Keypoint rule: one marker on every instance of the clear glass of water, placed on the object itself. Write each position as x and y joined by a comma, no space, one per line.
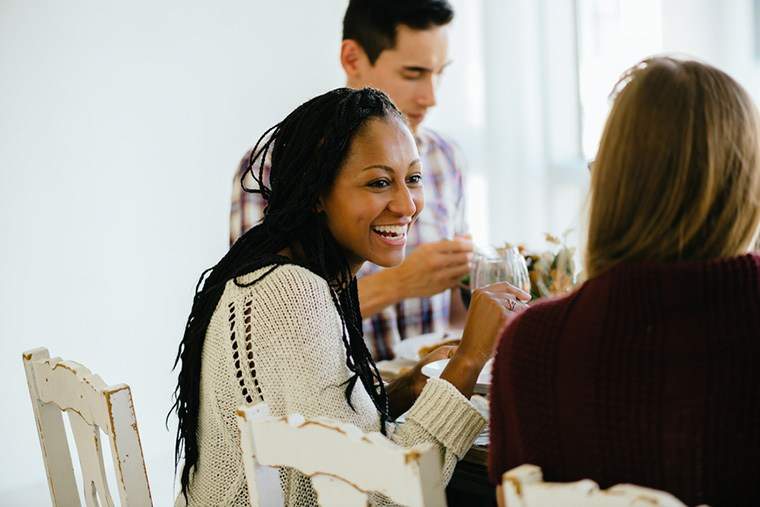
507,266
517,269
489,270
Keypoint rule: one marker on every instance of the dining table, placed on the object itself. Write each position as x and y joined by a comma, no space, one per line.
469,484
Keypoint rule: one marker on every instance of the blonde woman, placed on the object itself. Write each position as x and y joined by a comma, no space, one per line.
647,373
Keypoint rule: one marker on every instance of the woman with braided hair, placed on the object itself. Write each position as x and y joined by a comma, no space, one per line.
277,319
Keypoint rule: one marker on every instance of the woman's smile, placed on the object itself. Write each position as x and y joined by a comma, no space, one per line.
392,235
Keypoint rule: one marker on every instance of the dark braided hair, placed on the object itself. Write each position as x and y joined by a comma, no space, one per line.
307,149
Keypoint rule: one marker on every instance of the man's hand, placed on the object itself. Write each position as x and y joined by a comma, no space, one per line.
433,267
430,269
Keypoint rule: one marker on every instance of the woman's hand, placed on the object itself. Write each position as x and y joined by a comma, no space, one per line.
491,308
418,378
404,391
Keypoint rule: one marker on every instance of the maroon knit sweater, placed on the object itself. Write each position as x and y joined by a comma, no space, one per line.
648,374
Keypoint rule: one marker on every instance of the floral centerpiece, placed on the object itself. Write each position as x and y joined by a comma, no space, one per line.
552,272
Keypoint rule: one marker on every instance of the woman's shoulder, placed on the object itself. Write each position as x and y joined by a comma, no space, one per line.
282,298
548,309
280,284
281,277
538,321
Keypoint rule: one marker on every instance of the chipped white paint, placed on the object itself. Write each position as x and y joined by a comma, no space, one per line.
87,439
52,433
524,487
334,491
343,462
92,406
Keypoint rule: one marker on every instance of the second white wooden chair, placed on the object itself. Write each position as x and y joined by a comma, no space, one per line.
344,464
524,486
55,386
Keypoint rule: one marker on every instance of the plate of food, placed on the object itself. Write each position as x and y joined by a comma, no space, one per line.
482,384
417,347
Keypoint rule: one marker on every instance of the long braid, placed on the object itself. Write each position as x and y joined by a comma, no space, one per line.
369,374
308,148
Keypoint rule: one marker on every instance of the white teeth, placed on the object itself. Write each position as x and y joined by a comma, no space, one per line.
391,230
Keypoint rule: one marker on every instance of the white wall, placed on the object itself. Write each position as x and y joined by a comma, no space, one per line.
120,126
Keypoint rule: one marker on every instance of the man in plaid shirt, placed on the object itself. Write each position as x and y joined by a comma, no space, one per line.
400,47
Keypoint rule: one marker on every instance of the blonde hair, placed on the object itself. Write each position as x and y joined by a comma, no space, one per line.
677,174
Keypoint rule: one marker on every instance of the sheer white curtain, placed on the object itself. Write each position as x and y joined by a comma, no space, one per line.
511,101
528,94
615,34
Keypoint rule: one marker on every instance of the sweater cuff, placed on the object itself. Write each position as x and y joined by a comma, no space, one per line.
447,415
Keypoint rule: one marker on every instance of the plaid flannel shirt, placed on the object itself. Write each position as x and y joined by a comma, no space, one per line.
442,218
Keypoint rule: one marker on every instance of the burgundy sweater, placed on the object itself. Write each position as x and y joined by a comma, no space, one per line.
648,374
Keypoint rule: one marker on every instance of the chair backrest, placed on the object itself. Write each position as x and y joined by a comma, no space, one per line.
524,487
344,464
55,386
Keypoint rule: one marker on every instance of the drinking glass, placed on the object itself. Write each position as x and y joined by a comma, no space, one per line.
507,266
488,270
517,269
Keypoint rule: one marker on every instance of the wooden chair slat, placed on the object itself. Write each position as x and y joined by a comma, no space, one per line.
87,439
126,447
52,435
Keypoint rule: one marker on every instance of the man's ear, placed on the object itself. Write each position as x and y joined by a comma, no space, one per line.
353,59
319,207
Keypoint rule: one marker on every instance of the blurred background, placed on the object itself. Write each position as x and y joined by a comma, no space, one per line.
121,125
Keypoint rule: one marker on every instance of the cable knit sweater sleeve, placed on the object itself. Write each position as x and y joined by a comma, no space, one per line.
300,366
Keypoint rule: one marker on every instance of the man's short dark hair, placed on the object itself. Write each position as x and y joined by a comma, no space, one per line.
373,23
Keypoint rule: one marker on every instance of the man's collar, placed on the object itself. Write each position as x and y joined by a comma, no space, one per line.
422,138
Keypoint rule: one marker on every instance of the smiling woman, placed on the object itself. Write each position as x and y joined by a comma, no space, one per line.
277,319
377,195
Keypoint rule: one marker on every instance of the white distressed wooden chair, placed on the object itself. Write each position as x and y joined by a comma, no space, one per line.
524,487
344,464
55,386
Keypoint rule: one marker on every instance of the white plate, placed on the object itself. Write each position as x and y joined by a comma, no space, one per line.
482,385
409,348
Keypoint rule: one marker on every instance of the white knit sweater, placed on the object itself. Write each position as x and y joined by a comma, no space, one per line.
280,340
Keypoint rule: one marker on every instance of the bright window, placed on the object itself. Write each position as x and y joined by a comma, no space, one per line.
756,8
612,36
